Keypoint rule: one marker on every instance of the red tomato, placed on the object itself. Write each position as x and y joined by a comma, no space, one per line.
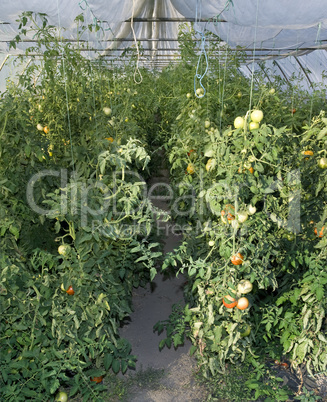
70,291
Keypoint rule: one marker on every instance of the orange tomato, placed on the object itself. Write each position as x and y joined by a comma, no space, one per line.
230,303
97,380
242,303
237,259
46,129
191,151
110,139
228,210
70,291
190,169
321,233
251,170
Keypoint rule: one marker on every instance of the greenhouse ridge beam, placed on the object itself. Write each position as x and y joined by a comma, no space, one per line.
167,19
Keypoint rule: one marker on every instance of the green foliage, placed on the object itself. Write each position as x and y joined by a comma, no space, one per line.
70,174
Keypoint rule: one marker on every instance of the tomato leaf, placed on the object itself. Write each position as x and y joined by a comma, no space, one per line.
116,366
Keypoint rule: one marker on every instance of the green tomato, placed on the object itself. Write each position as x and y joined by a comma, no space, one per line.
244,286
242,216
107,111
200,92
322,163
252,209
256,116
253,125
246,331
239,122
61,397
64,249
272,91
207,124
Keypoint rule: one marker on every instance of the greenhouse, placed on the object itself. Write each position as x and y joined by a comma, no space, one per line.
163,200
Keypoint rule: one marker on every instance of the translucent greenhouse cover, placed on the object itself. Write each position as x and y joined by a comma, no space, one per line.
291,35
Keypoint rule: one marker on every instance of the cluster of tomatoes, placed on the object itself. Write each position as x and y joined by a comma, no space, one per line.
240,302
256,117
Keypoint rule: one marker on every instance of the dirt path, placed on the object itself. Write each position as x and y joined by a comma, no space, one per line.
170,371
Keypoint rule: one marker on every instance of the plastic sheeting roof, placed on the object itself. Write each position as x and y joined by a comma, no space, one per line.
265,28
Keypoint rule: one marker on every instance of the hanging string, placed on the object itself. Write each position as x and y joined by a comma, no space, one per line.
224,80
67,97
198,76
253,58
137,70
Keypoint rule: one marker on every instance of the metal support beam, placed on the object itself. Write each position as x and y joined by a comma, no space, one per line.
4,62
305,73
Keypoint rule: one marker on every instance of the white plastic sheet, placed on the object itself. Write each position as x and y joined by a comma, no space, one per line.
270,28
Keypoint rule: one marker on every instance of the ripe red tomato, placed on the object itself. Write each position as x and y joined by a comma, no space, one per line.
242,303
229,301
70,291
237,259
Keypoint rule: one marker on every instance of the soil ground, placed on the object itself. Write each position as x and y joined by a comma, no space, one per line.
170,372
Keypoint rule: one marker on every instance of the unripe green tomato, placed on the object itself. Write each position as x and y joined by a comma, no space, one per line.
252,209
246,331
61,397
239,122
107,111
242,216
253,125
64,249
322,163
200,92
244,286
256,116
